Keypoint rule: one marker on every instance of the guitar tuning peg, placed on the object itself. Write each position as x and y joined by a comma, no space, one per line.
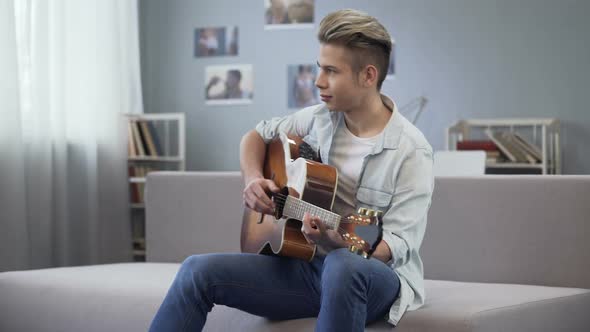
362,211
378,214
371,213
359,251
355,250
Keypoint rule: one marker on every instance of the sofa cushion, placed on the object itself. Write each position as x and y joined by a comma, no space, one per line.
463,306
125,297
110,297
455,306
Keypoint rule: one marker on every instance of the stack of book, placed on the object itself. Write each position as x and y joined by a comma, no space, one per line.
137,187
504,147
139,171
515,148
492,152
143,139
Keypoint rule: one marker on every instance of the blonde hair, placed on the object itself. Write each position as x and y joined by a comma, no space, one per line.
359,32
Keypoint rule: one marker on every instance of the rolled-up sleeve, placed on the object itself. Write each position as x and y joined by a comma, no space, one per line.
404,223
298,123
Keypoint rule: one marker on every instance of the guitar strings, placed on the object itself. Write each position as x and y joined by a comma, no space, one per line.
283,198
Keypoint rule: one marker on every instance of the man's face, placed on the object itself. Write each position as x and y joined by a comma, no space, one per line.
337,83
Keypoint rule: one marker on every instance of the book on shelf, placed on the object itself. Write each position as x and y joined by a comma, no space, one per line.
136,191
137,139
140,171
143,139
148,138
528,158
131,149
514,148
530,148
488,146
137,188
141,190
520,155
134,188
493,156
476,145
501,144
155,138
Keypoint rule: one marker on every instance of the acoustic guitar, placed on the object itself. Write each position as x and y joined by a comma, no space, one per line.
307,186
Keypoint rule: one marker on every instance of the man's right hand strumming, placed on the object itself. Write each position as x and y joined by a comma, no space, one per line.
256,195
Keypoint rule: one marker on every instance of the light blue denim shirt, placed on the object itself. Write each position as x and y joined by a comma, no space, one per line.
396,178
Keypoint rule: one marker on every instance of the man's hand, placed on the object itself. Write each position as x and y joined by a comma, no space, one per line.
382,252
316,232
256,195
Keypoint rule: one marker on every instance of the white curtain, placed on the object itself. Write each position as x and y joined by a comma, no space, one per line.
70,70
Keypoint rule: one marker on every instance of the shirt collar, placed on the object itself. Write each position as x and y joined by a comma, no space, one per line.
393,129
391,133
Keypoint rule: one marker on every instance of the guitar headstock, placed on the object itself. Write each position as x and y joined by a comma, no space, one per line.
363,230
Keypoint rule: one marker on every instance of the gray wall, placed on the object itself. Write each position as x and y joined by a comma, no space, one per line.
471,59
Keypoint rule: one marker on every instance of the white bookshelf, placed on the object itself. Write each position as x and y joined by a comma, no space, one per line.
163,148
542,132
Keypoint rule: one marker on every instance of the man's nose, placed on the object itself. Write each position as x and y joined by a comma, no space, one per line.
320,81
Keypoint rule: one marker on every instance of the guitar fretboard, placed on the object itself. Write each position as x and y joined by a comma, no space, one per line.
296,208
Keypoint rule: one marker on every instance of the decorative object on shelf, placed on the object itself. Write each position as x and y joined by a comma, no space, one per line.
155,141
512,145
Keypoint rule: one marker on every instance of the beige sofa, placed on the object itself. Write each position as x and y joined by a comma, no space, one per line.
501,253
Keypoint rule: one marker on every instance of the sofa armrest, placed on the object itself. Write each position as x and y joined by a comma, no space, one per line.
192,212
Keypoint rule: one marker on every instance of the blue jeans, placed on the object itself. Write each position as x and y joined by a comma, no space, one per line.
344,290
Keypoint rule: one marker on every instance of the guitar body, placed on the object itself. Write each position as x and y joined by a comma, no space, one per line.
308,180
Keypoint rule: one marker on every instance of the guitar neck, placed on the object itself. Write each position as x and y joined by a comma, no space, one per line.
296,208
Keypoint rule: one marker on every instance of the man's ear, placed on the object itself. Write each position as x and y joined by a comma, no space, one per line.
369,76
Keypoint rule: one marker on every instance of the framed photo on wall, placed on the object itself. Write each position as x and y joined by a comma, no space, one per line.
301,89
216,41
229,84
288,14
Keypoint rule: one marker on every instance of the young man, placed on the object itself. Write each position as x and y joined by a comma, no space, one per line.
384,163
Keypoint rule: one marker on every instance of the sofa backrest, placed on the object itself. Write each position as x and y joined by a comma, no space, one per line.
505,229
529,229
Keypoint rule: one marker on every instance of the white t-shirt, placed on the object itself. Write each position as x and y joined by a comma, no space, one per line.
347,154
